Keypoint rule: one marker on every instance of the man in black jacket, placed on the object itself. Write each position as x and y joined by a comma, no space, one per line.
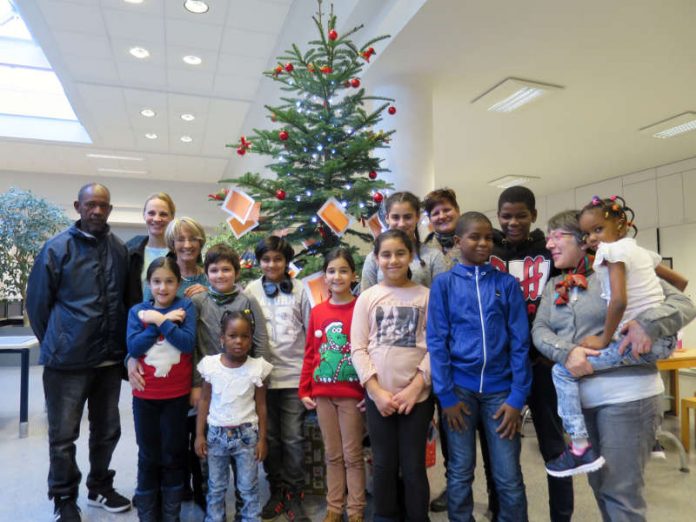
76,306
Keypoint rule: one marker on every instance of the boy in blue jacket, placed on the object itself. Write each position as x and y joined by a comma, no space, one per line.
478,339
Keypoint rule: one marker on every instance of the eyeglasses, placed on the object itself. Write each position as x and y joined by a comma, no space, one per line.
558,235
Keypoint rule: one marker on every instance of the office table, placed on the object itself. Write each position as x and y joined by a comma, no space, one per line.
20,344
679,360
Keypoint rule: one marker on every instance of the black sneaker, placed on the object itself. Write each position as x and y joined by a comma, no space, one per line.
274,507
439,504
111,501
568,463
294,509
66,510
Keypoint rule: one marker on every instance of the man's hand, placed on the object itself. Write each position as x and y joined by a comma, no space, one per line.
510,423
456,416
577,363
637,338
135,374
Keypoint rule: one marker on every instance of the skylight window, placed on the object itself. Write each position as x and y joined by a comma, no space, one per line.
33,103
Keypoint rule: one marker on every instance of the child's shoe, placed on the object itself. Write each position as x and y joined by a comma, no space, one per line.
66,510
112,501
568,463
332,516
658,451
294,508
274,507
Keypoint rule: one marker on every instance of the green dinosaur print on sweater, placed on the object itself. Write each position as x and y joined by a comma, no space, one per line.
335,363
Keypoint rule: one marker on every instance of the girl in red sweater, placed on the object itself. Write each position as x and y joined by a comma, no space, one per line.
330,385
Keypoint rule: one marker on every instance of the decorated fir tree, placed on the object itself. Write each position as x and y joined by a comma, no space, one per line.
321,146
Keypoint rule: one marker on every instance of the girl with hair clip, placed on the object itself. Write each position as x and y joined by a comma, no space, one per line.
403,213
628,275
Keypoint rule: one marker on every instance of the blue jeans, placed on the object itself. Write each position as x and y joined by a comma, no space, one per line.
624,434
285,462
568,387
66,392
236,446
505,461
160,431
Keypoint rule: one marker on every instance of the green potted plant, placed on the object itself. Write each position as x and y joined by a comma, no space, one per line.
26,222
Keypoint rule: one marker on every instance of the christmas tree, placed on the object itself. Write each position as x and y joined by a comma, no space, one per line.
322,146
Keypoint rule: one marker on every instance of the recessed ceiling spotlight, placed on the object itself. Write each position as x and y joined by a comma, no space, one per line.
148,113
186,139
192,60
513,93
684,122
139,52
188,117
133,1
196,6
511,181
151,136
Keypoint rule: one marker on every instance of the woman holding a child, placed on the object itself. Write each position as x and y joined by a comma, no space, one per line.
621,406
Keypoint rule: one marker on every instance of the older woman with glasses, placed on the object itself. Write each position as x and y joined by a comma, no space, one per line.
622,406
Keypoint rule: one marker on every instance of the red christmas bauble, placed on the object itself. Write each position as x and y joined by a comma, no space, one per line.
278,70
372,174
289,67
280,194
355,83
378,197
241,151
283,135
391,110
333,35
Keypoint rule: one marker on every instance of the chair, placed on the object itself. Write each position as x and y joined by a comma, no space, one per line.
687,403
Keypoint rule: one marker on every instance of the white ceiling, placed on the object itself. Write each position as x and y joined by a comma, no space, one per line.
624,64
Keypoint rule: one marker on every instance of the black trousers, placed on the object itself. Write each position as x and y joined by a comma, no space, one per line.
542,402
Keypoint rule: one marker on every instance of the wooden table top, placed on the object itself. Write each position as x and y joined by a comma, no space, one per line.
679,359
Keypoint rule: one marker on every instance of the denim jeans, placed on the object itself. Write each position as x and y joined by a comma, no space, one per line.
237,446
505,461
398,444
624,434
285,462
66,392
549,431
568,387
160,431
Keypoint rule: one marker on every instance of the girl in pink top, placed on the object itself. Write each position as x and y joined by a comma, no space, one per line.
391,359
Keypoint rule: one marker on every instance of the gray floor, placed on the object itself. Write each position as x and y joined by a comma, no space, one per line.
671,495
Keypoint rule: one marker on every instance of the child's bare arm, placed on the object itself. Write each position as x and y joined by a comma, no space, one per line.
262,445
673,277
615,310
200,444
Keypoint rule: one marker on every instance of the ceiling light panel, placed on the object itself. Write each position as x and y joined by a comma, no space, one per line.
113,157
122,171
188,117
513,93
151,136
186,139
511,181
139,52
148,113
680,124
196,6
191,59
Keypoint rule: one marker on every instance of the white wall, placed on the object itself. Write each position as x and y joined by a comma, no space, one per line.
127,197
664,200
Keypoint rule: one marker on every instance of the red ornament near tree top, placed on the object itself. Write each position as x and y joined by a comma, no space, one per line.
372,174
355,83
283,135
280,194
378,197
289,67
391,110
333,35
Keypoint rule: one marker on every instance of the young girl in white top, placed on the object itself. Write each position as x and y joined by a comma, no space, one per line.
629,277
390,356
233,402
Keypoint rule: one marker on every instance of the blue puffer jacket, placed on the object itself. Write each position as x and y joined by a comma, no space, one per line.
76,300
478,334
